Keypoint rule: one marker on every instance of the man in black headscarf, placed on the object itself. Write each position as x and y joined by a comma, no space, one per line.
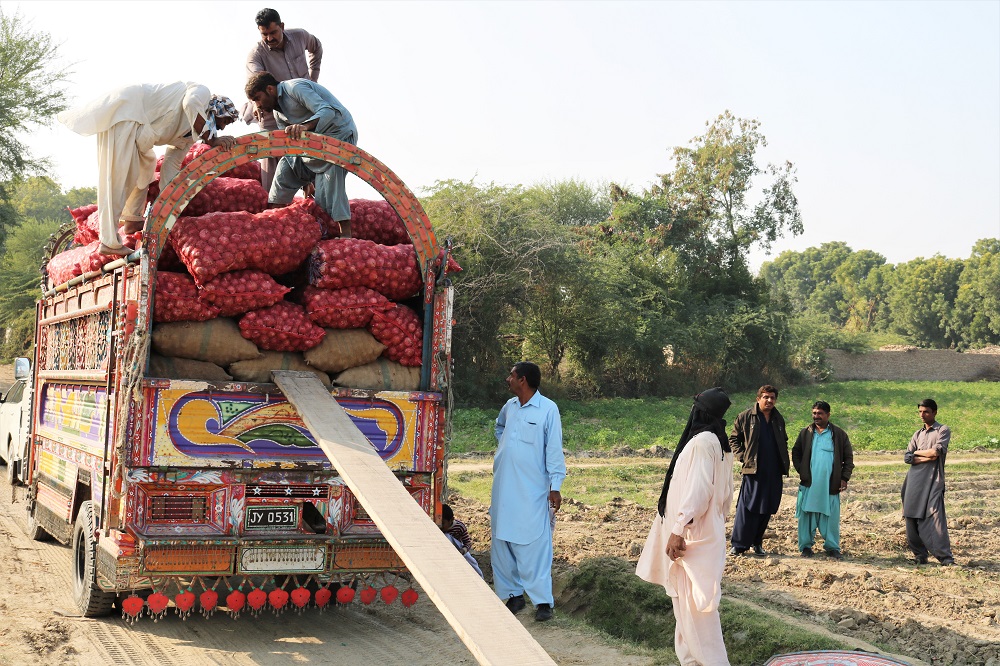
686,548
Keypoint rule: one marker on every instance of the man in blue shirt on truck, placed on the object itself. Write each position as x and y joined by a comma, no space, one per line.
301,105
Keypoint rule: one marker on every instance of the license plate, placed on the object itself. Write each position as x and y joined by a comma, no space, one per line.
271,517
270,559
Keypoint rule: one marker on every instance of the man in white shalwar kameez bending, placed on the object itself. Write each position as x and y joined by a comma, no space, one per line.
528,471
686,548
128,122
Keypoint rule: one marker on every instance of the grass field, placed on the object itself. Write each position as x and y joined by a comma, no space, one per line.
878,416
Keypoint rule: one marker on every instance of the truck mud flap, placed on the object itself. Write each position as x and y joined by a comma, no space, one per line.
482,622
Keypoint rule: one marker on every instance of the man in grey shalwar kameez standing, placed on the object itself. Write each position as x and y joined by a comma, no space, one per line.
923,489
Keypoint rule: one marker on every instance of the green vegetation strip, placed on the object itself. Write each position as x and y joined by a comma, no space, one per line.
879,416
607,595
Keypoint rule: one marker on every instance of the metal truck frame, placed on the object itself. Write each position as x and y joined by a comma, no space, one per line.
212,495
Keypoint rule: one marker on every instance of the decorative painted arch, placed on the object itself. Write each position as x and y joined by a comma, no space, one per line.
212,164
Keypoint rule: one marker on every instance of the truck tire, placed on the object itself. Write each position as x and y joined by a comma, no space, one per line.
34,530
12,473
90,599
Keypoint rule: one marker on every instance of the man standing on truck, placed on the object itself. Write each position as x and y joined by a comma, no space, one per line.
528,471
760,444
283,53
128,122
301,105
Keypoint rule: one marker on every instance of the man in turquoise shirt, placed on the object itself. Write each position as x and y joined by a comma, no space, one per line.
301,105
824,459
528,471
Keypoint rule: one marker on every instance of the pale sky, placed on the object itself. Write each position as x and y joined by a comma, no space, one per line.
889,110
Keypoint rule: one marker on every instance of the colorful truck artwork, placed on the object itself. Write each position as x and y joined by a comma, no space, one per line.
211,494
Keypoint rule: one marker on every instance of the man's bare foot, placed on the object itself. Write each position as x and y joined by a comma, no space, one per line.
132,226
119,251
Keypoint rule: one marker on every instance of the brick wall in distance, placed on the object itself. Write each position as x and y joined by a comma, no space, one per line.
913,365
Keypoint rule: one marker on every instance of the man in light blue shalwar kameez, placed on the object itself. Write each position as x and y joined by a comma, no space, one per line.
303,105
528,471
824,459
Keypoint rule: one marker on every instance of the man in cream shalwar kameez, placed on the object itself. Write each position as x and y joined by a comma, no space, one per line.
128,122
686,548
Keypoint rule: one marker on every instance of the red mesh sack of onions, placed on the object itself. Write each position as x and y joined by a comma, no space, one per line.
377,221
87,224
390,270
282,327
153,190
169,261
84,259
241,291
275,241
343,308
400,331
177,299
250,170
226,195
65,266
93,260
82,213
329,226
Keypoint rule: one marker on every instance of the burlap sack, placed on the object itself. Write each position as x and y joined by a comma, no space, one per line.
216,341
344,348
185,368
382,375
259,369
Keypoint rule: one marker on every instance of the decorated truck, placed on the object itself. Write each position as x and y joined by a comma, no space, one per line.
182,488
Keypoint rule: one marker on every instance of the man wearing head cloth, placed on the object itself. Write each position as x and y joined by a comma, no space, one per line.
128,123
686,548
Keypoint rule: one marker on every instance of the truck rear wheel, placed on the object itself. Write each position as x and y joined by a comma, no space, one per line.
34,530
90,599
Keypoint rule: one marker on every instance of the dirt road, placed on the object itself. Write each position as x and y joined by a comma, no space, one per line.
37,625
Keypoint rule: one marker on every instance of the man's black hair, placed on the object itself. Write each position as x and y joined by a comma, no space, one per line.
822,405
258,82
767,388
929,404
530,372
446,513
266,17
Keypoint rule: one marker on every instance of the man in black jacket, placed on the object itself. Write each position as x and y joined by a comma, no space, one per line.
760,443
823,457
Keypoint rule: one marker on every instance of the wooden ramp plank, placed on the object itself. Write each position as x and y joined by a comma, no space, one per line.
482,622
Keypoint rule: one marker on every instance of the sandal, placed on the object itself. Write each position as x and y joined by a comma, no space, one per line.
121,251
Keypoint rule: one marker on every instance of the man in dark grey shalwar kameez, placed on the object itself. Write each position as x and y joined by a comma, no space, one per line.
923,489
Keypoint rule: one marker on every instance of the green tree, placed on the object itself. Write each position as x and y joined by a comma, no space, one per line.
864,281
41,198
499,242
31,94
922,300
977,304
20,284
716,176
